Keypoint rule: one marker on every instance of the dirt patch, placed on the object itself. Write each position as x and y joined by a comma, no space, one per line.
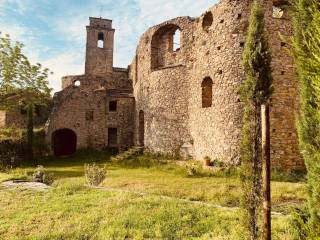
25,185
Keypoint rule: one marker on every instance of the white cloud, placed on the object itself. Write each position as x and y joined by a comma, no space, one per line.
62,65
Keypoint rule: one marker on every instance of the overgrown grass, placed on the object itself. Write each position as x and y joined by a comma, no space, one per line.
72,211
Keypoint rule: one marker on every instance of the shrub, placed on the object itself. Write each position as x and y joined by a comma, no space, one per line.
41,175
217,163
193,169
11,153
94,174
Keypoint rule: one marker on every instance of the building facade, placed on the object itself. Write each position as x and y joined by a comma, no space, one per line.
181,92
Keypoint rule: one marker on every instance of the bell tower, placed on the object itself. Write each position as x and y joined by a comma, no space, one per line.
99,50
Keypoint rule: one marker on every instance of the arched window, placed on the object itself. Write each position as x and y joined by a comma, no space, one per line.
207,21
176,40
165,43
207,92
100,43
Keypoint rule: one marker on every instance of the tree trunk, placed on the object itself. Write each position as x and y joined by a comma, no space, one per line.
266,172
256,173
30,132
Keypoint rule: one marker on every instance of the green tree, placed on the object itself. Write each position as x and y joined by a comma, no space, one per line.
255,91
21,83
306,48
10,62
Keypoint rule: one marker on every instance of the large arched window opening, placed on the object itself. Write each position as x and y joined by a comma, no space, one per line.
207,92
141,128
64,142
100,43
165,45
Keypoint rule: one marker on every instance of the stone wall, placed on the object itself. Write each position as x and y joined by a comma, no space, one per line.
168,85
218,45
161,87
285,99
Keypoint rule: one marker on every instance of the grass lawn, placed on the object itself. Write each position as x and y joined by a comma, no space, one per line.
70,210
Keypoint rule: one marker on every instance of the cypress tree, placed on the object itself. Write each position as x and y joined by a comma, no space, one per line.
255,91
306,48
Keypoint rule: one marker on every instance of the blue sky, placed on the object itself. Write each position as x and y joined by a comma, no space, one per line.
53,31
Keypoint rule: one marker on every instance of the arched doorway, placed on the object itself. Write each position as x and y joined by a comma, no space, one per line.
64,142
141,128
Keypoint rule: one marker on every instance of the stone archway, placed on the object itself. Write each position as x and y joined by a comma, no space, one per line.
141,128
64,142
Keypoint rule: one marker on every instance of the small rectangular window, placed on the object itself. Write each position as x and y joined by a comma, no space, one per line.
113,106
89,116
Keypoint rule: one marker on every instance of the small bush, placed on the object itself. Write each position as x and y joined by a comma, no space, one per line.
41,175
217,163
94,174
194,169
11,153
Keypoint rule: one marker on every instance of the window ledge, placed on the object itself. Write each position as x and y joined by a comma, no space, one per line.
167,67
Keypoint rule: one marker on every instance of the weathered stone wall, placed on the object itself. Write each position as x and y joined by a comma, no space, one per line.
16,118
161,87
70,80
218,49
284,109
168,85
122,119
71,107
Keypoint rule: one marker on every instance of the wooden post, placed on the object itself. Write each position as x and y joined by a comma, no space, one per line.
265,121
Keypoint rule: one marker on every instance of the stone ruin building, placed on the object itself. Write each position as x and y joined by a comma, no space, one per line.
17,117
181,91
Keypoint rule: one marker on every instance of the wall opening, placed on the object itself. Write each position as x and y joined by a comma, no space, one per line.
100,43
176,40
64,142
89,116
141,128
207,21
77,83
207,92
112,137
165,44
23,110
113,105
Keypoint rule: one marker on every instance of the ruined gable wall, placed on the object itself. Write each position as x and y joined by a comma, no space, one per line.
73,103
70,108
